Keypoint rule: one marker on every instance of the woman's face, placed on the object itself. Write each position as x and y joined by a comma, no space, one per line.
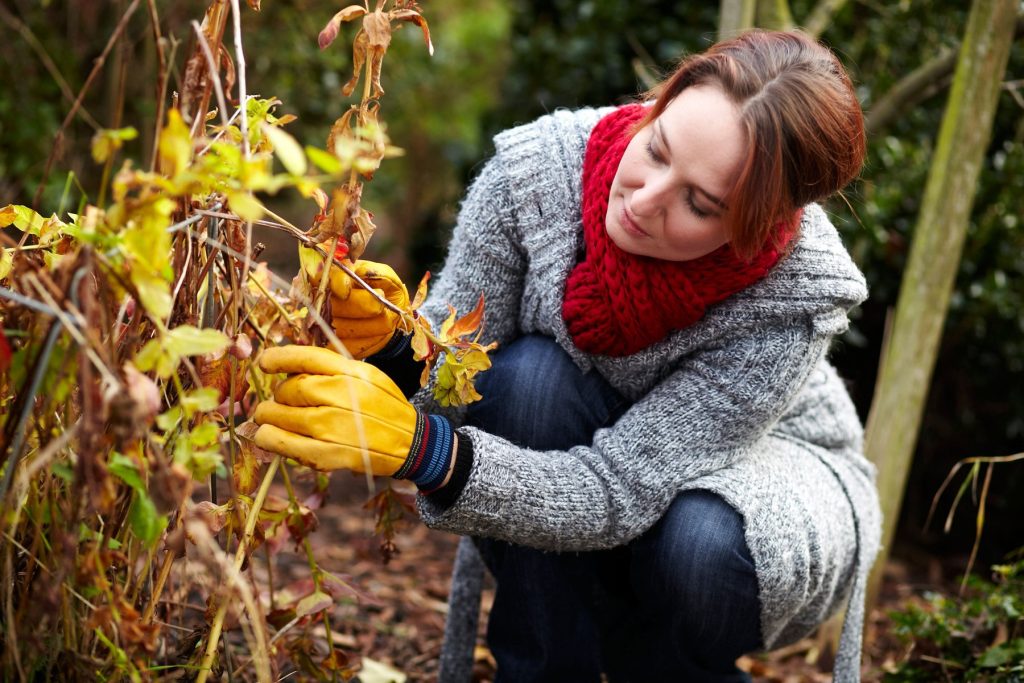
666,197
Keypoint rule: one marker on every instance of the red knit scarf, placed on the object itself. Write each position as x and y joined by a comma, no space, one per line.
617,303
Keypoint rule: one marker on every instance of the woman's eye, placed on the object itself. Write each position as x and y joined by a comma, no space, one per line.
696,210
651,153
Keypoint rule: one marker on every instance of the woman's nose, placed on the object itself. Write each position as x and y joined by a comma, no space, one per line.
648,199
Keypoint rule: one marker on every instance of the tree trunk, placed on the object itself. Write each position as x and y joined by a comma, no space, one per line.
905,369
735,16
774,15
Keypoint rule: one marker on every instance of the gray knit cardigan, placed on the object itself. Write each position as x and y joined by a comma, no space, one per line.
742,404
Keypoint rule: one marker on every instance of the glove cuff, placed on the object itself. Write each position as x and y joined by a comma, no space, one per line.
430,454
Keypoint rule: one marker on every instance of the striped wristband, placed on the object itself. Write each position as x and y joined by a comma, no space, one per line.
430,454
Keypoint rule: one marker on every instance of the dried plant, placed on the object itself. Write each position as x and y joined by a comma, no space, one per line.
127,345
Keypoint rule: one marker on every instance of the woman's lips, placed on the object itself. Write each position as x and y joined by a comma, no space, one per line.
629,225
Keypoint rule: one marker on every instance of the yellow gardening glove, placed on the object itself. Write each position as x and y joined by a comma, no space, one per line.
363,324
336,413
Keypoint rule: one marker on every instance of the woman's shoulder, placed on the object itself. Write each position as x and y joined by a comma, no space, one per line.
822,260
817,281
556,138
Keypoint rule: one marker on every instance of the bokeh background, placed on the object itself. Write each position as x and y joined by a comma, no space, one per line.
501,63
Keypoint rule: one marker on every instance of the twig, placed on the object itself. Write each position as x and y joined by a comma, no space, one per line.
250,525
97,67
44,57
978,526
243,95
74,331
218,89
161,87
27,302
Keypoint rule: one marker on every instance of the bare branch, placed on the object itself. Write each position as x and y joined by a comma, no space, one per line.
917,86
821,16
21,28
97,67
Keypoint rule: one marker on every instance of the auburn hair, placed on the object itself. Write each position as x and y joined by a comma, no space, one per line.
803,124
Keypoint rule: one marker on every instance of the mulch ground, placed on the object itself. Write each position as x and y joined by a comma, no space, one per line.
400,623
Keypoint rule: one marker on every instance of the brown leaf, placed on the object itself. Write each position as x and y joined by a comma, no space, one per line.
144,392
214,516
416,18
330,31
247,431
359,50
168,486
215,373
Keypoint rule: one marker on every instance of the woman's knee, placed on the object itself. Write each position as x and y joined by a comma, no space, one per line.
536,396
695,565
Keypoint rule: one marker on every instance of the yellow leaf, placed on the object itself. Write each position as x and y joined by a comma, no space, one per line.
107,141
476,360
447,325
245,205
444,385
6,262
175,145
286,149
421,292
7,215
154,291
420,342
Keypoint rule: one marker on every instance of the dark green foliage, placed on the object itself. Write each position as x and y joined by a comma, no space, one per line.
975,637
568,53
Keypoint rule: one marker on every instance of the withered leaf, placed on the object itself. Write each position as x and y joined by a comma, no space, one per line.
330,31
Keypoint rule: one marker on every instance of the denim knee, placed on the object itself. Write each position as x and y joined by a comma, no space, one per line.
694,566
535,396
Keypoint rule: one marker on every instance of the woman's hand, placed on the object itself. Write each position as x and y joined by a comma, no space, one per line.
364,324
336,413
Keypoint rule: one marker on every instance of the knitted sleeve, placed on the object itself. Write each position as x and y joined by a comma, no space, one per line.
703,417
484,257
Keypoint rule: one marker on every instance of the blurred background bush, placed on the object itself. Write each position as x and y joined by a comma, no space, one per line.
497,64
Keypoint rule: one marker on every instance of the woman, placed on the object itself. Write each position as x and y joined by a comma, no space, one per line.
660,412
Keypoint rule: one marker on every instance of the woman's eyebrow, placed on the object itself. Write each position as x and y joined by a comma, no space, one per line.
664,142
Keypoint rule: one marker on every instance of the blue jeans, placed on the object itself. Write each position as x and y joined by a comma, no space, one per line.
679,603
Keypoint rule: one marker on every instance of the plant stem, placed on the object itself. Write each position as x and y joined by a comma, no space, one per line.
250,524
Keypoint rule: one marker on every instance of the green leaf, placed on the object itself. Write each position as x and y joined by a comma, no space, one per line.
1001,654
107,141
63,470
325,161
186,340
123,467
201,400
287,150
315,602
147,524
155,356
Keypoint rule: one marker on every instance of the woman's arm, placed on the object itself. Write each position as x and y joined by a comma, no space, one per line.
702,418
